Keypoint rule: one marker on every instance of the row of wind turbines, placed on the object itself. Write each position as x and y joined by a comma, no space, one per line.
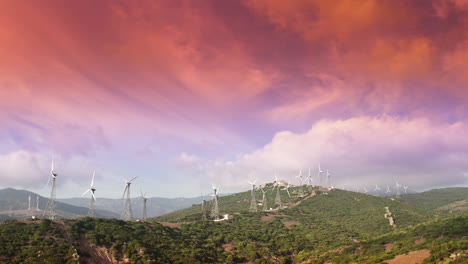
308,182
277,184
127,214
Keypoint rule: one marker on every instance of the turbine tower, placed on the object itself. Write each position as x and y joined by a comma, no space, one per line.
50,208
37,202
29,202
127,214
405,187
144,199
203,211
93,198
264,200
309,179
287,190
320,174
328,179
215,209
301,191
278,196
253,201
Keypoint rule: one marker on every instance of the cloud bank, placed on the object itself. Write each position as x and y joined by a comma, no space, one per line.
360,151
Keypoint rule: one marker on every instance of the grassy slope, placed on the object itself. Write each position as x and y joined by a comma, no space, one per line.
251,239
437,198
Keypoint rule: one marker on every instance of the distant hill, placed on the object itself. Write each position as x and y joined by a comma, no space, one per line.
14,205
155,206
346,210
442,200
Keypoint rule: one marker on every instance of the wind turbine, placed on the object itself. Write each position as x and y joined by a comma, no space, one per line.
278,196
127,214
287,190
365,190
309,179
50,208
397,187
388,190
376,189
264,200
301,191
405,187
203,207
144,199
320,174
253,202
328,179
93,198
215,209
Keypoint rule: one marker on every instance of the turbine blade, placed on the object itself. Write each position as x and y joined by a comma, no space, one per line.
133,179
92,180
85,192
125,190
52,166
48,182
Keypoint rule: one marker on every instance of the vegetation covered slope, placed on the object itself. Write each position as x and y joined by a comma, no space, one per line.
323,226
248,237
443,200
355,211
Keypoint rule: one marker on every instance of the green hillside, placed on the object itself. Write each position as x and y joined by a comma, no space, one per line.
247,238
356,212
443,200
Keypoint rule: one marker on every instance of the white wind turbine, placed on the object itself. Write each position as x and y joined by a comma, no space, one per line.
287,190
278,196
397,187
93,197
50,207
127,214
144,199
365,189
309,179
253,202
301,191
405,187
328,179
215,209
320,174
264,200
376,189
388,190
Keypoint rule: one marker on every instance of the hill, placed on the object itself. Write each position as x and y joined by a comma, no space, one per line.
248,238
441,200
14,205
356,212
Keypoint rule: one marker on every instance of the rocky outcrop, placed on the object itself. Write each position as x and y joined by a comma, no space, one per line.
389,216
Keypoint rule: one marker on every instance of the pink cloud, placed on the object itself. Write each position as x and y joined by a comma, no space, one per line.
358,151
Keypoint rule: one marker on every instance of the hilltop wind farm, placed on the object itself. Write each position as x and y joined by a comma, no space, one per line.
255,131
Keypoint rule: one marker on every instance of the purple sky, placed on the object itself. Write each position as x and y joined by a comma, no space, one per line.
184,94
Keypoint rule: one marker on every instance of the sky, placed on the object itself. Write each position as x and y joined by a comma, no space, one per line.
185,94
